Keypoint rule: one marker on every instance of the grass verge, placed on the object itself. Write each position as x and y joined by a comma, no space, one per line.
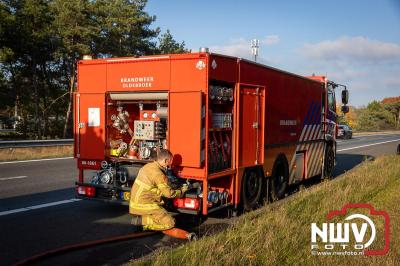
19,154
279,234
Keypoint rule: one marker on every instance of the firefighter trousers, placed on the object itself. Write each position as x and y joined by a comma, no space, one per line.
159,220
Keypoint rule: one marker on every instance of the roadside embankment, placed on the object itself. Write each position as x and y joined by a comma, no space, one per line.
279,233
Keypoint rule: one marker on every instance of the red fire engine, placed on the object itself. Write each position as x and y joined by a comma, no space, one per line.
245,131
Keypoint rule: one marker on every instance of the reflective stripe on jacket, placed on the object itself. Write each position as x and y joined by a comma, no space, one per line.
150,184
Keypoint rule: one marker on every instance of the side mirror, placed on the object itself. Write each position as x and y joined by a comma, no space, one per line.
345,109
345,96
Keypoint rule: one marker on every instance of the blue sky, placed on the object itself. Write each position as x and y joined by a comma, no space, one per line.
354,42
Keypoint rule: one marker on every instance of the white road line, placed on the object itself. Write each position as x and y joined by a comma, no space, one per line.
373,144
11,178
39,160
51,204
40,206
13,211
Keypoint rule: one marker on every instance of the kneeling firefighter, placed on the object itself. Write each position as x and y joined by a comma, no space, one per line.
146,203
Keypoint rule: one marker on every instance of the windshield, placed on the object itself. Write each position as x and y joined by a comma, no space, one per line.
331,100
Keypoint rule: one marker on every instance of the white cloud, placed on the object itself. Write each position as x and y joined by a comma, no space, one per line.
352,48
239,48
270,40
368,67
242,47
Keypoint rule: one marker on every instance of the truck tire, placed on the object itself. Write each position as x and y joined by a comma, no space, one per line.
280,178
251,188
329,163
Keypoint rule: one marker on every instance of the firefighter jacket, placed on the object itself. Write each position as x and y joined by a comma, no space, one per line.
150,185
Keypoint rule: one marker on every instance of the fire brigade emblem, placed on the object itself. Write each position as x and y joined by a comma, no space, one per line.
214,64
200,65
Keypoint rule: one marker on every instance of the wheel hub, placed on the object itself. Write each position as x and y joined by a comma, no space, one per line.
251,185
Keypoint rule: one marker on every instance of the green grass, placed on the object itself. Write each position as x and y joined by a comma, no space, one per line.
279,233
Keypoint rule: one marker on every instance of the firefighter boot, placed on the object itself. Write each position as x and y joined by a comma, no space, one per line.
181,234
137,223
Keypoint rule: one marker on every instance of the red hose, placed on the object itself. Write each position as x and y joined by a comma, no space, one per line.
82,245
229,146
222,146
216,148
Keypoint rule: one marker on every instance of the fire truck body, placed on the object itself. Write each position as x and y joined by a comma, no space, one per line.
243,130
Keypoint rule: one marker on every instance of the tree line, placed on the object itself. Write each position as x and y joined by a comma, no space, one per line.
41,42
376,115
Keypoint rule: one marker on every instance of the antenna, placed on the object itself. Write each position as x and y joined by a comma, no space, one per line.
254,48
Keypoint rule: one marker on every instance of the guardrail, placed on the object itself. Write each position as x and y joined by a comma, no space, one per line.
7,130
34,143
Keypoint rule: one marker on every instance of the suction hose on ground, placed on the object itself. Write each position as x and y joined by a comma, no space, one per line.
181,234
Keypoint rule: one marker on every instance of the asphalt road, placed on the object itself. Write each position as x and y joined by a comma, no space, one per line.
38,211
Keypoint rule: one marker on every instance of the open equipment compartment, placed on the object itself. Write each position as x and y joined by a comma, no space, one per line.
220,115
136,125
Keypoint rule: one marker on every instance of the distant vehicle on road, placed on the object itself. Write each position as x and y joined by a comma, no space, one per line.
345,132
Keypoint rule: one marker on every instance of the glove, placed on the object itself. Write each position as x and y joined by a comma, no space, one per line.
189,186
184,188
195,185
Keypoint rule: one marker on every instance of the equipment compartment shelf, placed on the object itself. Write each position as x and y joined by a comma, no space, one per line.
121,159
222,173
219,129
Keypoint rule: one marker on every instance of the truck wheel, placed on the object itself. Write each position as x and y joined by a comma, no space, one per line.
329,163
280,178
251,189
